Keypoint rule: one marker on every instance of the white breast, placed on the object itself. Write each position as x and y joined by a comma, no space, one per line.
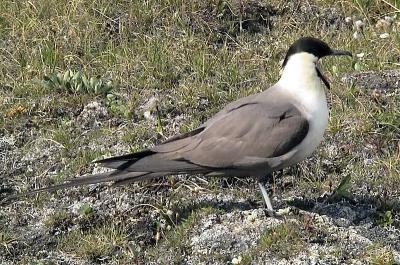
300,81
318,121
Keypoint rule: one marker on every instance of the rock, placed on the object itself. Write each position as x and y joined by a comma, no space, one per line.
283,212
237,260
383,24
384,36
359,25
356,35
360,55
327,18
42,149
231,234
92,115
383,80
389,19
150,108
233,18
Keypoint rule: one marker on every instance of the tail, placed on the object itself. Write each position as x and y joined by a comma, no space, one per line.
129,168
115,176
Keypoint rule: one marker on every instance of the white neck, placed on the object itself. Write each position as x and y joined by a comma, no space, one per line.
300,80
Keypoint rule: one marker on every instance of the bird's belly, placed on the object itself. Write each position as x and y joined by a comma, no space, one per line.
318,122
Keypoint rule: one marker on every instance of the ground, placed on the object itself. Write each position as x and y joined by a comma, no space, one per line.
83,80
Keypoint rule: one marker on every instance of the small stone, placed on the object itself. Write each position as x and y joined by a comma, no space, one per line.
92,115
252,217
360,55
147,115
196,189
359,25
384,36
149,108
356,35
237,260
282,212
348,20
382,24
358,66
377,96
390,20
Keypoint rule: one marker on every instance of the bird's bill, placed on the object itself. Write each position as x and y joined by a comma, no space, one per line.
340,53
322,76
318,67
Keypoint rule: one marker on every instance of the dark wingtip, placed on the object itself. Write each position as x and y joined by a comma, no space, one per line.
128,157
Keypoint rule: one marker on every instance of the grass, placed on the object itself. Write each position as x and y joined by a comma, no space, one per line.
378,255
282,241
97,244
5,238
193,57
175,241
54,220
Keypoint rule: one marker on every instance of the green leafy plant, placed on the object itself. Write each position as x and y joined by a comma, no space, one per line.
77,82
343,190
85,210
385,219
116,104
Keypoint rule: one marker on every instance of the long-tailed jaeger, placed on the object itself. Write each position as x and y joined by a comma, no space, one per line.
253,136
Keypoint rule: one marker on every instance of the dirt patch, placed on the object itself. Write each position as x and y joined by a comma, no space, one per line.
305,12
382,80
232,17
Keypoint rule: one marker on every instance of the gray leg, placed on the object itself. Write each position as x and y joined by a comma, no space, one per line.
267,201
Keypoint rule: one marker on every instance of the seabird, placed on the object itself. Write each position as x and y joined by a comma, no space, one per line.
253,136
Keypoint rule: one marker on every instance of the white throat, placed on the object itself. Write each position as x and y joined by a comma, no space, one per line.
300,81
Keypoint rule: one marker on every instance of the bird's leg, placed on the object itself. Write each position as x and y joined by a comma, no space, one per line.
262,183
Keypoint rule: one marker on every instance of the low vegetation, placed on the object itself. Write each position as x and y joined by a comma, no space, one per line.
82,80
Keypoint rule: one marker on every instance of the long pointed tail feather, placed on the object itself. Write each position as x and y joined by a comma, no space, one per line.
130,180
115,176
129,168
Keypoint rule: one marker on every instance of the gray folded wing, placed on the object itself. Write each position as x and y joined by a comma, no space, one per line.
256,128
252,130
248,137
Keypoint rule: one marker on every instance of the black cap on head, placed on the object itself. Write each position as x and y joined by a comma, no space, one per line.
314,46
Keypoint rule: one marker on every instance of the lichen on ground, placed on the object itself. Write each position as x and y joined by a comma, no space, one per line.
172,65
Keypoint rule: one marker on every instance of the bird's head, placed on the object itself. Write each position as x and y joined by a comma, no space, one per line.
311,50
